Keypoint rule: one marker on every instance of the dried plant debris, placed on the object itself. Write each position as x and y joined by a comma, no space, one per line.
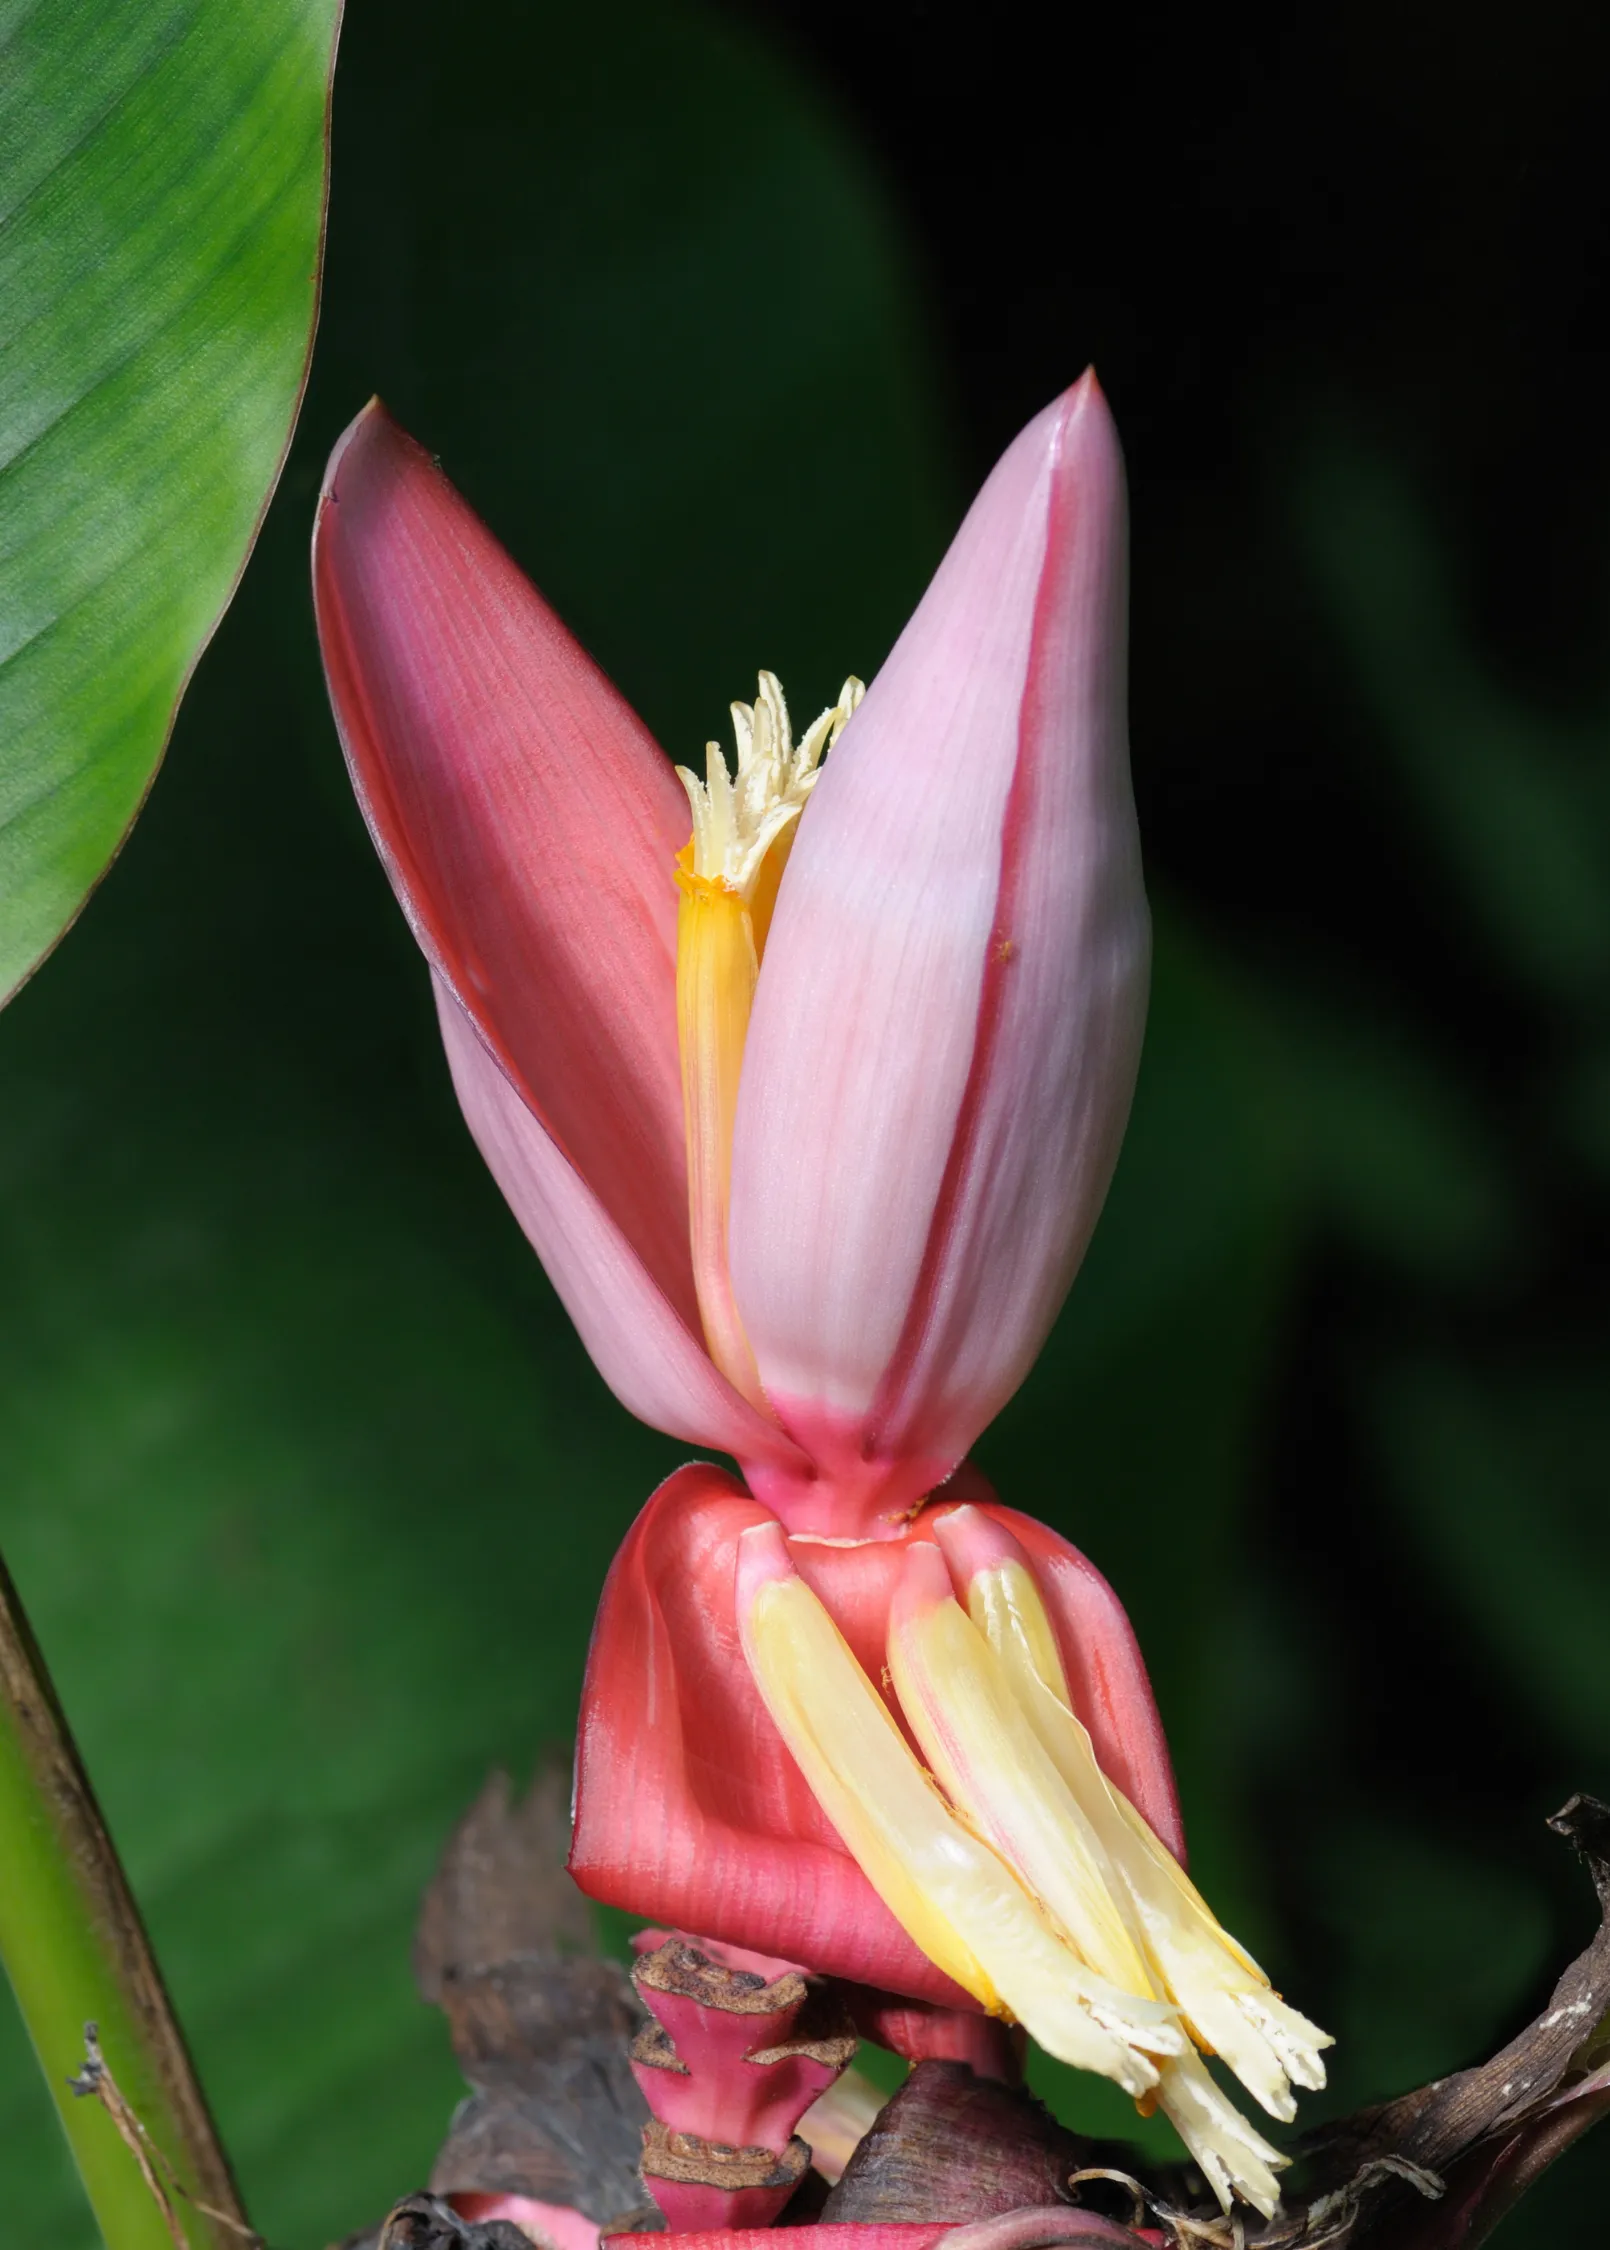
542,2031
500,1890
954,2146
695,2162
424,2222
1053,2228
540,2026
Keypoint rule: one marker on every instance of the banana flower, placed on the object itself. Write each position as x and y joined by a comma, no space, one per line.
806,1079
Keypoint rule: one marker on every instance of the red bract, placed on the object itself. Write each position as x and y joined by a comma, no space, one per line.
686,1793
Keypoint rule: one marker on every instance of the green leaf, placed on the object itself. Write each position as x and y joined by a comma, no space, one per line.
162,185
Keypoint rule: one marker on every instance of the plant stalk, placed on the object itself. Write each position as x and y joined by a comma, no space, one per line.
76,1954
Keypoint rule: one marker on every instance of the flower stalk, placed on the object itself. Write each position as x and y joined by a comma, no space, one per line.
77,1955
734,2056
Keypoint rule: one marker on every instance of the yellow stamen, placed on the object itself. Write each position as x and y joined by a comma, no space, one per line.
715,984
952,1894
743,830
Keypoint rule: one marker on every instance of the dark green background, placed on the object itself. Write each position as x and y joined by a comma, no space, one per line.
718,318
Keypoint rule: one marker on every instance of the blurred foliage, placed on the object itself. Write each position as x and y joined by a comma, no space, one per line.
309,1486
1455,1668
1480,1186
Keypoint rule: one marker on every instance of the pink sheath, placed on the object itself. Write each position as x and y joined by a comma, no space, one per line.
736,2063
846,2237
712,2214
525,816
746,2104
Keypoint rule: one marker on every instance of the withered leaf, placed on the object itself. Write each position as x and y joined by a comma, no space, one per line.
500,1889
422,2222
539,2025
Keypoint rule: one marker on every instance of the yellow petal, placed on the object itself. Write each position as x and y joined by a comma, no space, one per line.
1224,1996
992,1765
951,1893
1234,2159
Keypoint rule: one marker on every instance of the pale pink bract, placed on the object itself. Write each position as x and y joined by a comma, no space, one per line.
948,1016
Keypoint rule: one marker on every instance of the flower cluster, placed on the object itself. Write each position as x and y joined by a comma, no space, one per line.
809,1115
